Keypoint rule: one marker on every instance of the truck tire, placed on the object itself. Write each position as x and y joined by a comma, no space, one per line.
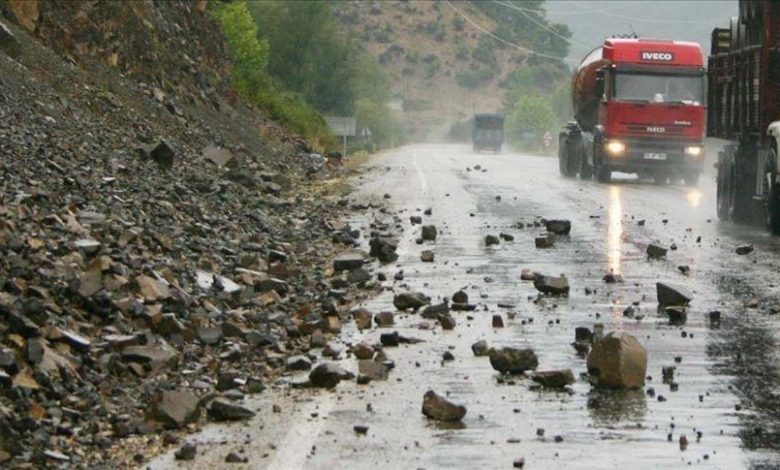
586,171
660,178
725,187
565,160
603,174
772,199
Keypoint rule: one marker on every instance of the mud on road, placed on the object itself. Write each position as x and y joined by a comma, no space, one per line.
724,394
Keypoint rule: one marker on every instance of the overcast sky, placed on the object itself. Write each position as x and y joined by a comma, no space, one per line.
593,20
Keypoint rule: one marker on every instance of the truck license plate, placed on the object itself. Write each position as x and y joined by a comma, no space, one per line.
655,156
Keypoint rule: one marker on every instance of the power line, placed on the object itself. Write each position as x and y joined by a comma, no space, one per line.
569,41
500,39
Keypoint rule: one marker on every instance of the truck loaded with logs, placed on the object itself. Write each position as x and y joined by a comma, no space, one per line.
744,107
638,108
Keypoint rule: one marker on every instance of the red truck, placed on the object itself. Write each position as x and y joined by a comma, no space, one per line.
638,108
744,107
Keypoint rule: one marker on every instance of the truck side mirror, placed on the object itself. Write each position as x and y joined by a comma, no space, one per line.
599,85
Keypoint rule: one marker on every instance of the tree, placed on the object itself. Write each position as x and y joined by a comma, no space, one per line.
249,53
530,115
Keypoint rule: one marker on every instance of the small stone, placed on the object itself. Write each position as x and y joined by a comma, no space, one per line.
447,321
384,318
298,363
362,318
672,294
558,227
447,356
655,251
552,285
491,240
415,220
554,378
545,241
480,348
508,360
360,429
348,261
410,300
328,375
175,408
460,297
234,457
363,351
186,452
744,249
519,463
429,232
427,256
223,410
498,322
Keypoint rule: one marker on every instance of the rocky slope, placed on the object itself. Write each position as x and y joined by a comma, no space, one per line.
160,242
443,68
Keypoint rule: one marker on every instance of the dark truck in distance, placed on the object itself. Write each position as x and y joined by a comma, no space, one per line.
488,132
638,108
744,107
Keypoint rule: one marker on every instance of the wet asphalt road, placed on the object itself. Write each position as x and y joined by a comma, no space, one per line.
729,376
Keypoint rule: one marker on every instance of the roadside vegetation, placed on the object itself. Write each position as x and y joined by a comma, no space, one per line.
292,60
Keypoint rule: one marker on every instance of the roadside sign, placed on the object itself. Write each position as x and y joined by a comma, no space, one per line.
342,126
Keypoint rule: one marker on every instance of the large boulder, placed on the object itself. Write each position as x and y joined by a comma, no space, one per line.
672,294
617,361
509,360
439,408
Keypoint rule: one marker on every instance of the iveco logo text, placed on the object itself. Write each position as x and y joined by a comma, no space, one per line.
656,130
658,56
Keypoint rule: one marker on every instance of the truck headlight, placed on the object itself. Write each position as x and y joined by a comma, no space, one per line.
693,150
615,147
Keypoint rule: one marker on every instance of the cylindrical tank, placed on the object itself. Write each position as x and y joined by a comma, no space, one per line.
583,90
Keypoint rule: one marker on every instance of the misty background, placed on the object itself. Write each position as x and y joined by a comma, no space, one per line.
593,20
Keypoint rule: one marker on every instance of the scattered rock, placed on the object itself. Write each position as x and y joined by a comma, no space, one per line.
558,227
223,410
528,275
552,285
328,375
174,408
186,452
612,278
617,361
427,256
410,300
460,297
506,237
348,262
744,249
429,232
384,319
508,360
498,322
446,320
383,249
672,294
362,318
480,348
235,457
491,240
655,251
363,351
372,370
298,363
415,220
554,378
545,241
439,408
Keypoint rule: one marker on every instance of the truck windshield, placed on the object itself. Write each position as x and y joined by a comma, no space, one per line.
658,88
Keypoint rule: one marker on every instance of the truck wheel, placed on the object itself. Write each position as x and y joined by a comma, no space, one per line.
603,174
691,178
564,159
660,178
586,171
772,199
725,189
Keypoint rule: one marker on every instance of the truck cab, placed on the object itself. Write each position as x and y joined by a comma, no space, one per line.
639,108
